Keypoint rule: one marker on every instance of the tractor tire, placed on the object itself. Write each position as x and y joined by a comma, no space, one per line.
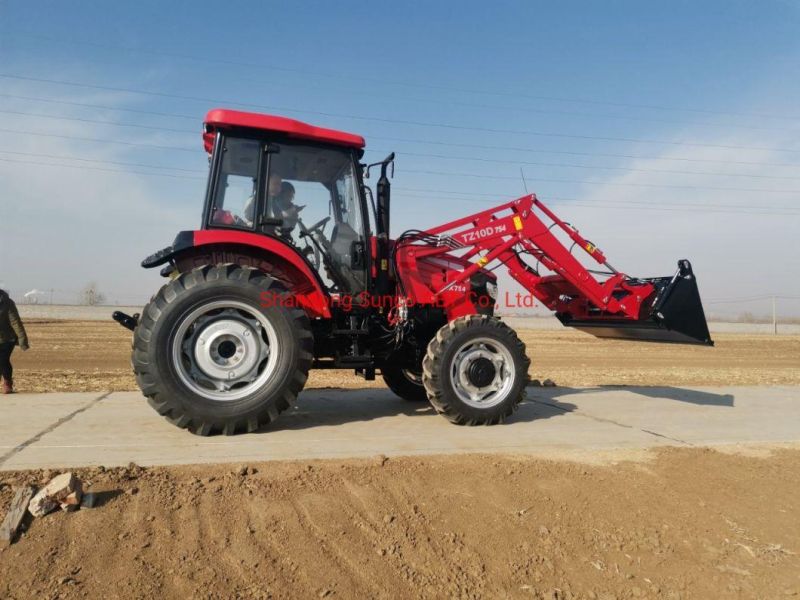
475,371
405,383
211,358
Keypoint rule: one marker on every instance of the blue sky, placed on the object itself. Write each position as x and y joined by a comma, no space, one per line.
709,91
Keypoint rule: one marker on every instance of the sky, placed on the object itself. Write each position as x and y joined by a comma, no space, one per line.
661,131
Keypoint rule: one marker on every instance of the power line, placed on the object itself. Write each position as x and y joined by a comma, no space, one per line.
403,121
695,187
608,205
626,207
524,109
540,111
83,167
111,123
478,197
86,105
751,299
665,186
339,76
362,93
131,164
449,144
94,160
601,167
549,180
623,184
448,174
459,195
566,152
790,209
85,139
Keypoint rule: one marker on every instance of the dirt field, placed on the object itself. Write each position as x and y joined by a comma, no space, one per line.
670,523
95,356
688,523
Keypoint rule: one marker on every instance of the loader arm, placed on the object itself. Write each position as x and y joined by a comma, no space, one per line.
607,303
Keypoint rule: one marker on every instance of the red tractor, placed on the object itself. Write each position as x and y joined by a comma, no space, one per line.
294,267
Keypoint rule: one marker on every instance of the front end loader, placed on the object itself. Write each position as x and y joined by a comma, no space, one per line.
520,236
293,268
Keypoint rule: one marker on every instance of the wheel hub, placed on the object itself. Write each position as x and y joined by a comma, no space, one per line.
227,349
481,372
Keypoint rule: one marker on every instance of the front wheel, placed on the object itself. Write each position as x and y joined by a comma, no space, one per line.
475,371
211,358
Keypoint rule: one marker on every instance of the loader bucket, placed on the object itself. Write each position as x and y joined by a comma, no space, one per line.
675,314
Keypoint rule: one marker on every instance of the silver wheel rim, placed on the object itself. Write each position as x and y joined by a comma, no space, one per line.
225,350
498,389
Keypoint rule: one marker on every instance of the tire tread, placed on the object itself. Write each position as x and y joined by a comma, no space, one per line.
432,366
154,390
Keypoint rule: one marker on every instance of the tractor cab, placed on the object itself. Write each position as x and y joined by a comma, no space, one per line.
300,185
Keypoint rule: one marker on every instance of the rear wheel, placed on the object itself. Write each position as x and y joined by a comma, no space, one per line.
406,383
475,371
210,358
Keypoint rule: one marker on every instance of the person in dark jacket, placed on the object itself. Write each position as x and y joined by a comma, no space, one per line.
12,333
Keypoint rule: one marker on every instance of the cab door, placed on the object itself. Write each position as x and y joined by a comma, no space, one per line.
313,202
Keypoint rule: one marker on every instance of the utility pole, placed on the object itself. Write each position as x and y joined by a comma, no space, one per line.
774,318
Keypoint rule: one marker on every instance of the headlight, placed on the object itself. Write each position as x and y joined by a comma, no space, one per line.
491,289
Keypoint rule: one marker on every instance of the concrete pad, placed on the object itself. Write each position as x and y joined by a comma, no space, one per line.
357,423
23,416
697,416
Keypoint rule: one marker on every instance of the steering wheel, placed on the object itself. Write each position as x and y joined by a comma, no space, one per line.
316,228
318,225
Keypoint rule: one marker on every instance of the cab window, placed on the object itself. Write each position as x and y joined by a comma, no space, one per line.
234,200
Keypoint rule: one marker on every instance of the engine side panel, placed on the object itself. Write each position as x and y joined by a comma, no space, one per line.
426,279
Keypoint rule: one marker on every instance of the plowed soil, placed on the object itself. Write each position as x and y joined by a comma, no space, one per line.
95,356
682,524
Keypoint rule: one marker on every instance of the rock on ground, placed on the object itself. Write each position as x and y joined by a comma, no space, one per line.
63,490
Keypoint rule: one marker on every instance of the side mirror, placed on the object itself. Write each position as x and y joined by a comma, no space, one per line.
389,160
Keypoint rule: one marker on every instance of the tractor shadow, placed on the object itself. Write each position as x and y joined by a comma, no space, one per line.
325,407
676,394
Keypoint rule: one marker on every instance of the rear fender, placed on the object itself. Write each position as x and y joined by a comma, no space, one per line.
280,260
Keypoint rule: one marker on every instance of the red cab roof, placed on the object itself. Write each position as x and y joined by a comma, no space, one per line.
220,118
